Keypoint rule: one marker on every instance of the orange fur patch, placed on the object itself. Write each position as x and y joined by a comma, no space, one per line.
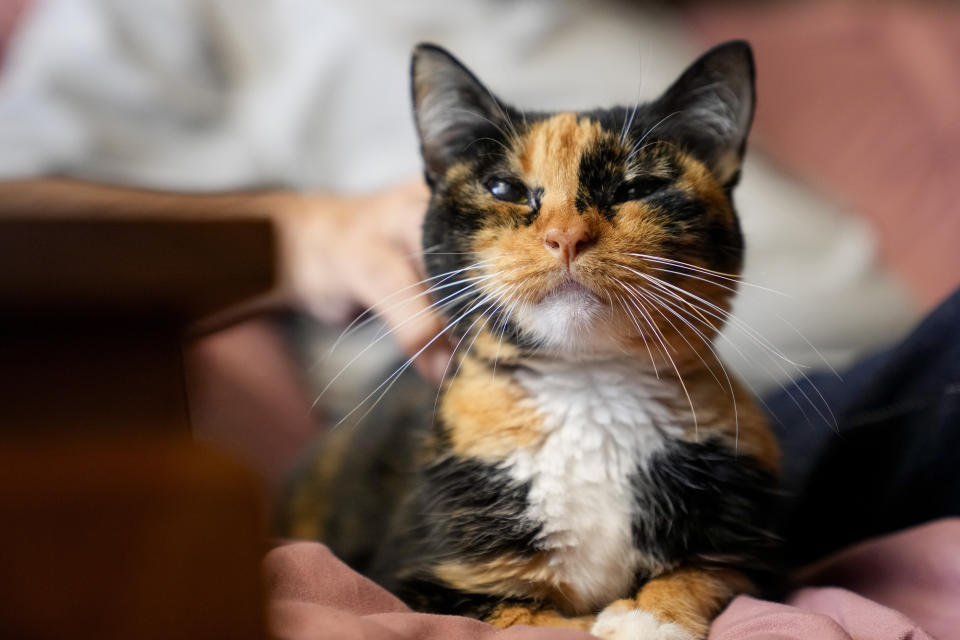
488,416
736,417
691,598
527,577
509,615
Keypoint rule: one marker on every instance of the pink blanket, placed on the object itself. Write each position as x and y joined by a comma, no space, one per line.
904,586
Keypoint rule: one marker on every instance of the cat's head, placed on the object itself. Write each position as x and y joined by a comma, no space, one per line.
589,233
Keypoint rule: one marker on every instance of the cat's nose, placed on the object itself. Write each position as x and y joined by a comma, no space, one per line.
568,242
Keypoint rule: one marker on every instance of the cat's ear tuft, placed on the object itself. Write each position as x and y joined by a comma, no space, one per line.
452,108
710,107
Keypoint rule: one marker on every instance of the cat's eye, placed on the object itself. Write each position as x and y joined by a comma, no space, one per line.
638,189
507,190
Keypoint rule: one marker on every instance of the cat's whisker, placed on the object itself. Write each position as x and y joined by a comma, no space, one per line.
392,378
451,299
657,306
767,348
370,315
503,320
761,341
502,298
705,272
809,344
752,333
661,338
453,355
691,308
437,287
708,280
634,148
680,263
725,315
642,333
672,308
720,285
487,314
749,284
628,121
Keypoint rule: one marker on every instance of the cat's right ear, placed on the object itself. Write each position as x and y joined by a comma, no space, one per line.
452,108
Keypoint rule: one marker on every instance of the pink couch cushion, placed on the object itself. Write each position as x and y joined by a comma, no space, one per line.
892,588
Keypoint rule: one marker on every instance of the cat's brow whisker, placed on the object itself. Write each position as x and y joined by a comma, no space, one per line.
503,114
510,136
646,134
628,121
494,140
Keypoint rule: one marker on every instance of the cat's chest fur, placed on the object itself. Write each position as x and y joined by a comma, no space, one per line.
601,423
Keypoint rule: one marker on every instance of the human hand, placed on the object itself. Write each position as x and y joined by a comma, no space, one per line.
346,252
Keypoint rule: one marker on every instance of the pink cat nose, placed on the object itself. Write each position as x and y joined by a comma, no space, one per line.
567,243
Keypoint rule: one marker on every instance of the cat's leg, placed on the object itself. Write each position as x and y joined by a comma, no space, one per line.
499,611
508,614
679,605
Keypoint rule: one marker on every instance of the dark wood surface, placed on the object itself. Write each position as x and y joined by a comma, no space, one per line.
145,267
115,524
127,537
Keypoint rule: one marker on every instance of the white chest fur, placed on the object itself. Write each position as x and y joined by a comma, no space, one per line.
601,421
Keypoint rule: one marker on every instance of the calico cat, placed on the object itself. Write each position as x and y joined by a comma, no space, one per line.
589,463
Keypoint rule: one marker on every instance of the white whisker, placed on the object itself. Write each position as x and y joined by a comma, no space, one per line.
659,335
389,381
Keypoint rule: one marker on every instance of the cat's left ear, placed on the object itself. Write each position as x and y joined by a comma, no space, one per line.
451,106
710,108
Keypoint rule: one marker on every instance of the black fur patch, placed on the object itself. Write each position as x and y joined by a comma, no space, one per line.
599,173
426,595
678,206
703,504
461,510
477,509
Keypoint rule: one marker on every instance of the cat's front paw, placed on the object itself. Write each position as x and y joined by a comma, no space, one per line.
622,621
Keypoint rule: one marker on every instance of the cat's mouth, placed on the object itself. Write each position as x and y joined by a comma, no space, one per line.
571,296
571,292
